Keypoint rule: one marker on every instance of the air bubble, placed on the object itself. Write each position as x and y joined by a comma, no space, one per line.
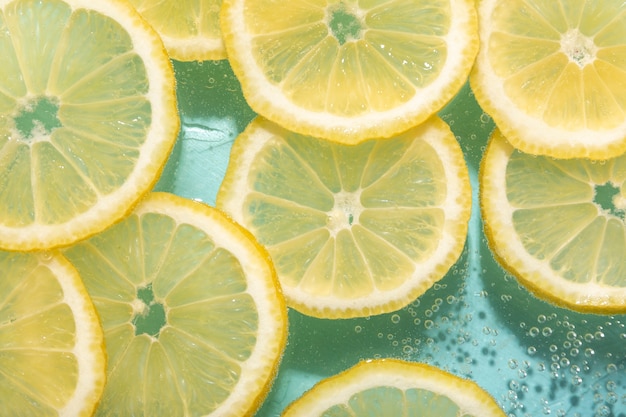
533,332
541,318
532,350
513,364
358,329
611,368
546,331
395,318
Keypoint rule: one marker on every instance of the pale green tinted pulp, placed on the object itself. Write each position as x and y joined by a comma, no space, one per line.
162,289
535,359
391,401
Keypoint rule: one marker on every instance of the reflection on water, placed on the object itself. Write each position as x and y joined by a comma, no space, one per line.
202,157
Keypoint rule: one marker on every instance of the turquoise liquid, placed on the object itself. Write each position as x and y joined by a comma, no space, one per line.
477,322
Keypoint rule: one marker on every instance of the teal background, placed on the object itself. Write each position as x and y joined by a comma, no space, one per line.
477,322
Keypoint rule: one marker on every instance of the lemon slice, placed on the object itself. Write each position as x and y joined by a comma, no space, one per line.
558,224
189,28
194,321
391,387
53,359
349,71
353,230
87,118
552,74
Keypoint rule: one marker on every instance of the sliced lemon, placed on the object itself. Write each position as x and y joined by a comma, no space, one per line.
353,230
558,224
53,359
87,118
552,74
190,29
194,321
347,70
391,387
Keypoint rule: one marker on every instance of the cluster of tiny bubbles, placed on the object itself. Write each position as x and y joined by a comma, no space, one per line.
581,361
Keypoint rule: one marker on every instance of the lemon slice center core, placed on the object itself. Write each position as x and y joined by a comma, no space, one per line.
610,200
37,117
344,23
345,212
579,48
149,315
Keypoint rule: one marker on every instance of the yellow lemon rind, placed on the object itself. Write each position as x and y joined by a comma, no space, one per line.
457,207
509,251
267,99
469,396
155,151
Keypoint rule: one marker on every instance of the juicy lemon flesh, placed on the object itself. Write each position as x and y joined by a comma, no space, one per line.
94,88
182,18
186,24
391,401
392,387
346,221
588,243
40,368
349,59
353,230
562,61
179,321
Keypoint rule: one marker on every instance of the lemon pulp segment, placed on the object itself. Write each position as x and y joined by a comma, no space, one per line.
87,118
553,76
346,70
193,318
352,230
190,29
392,387
558,224
53,358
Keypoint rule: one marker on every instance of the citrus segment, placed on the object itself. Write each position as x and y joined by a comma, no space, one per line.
558,224
551,76
190,29
53,358
346,70
353,230
88,112
194,321
391,387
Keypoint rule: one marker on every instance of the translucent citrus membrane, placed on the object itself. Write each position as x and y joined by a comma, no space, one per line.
190,28
359,217
179,320
70,105
571,215
563,61
392,387
397,402
347,59
51,341
352,230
